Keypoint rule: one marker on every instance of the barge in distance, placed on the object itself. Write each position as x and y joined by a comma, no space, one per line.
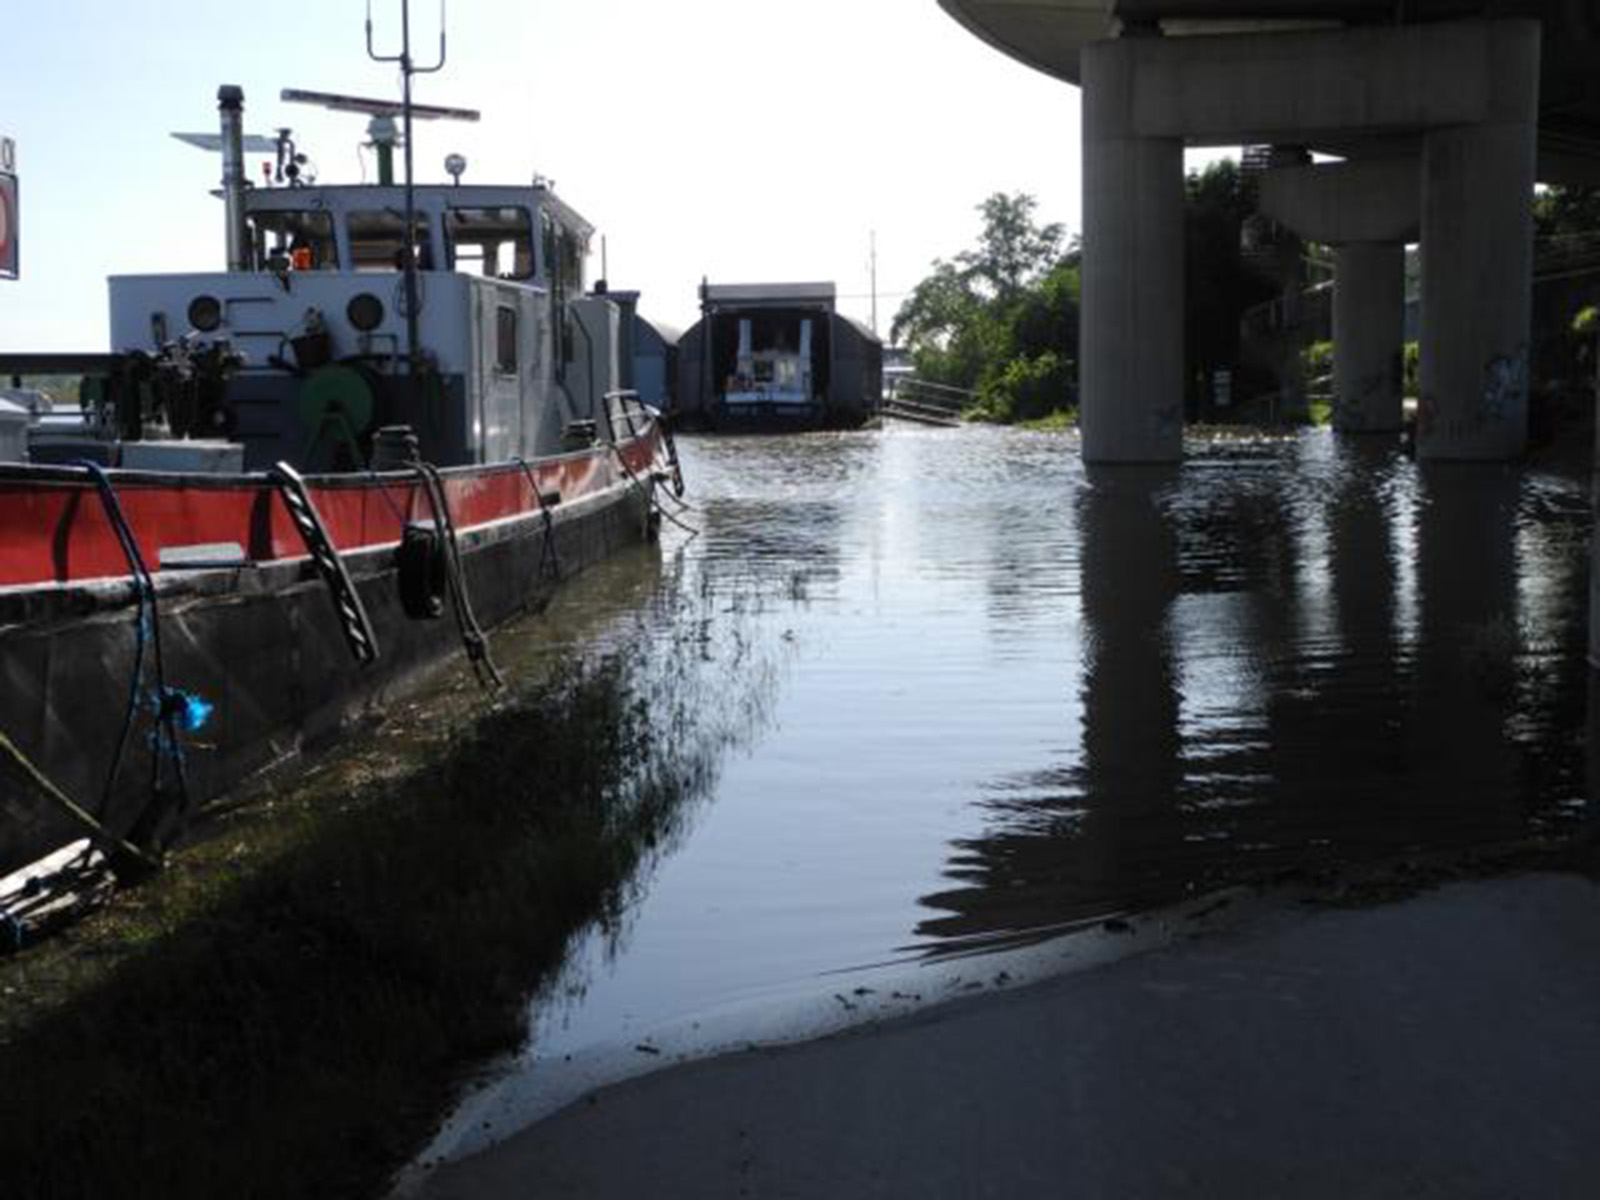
776,356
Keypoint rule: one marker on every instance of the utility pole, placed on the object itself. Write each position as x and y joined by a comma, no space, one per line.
873,258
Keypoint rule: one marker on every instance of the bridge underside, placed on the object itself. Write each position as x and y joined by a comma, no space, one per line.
1445,120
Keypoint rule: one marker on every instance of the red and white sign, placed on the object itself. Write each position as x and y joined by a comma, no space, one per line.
8,209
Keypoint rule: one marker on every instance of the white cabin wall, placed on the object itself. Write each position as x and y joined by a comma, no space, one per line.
595,368
258,312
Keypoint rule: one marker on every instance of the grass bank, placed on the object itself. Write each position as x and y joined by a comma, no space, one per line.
288,1012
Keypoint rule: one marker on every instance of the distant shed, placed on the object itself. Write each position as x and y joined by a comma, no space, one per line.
648,353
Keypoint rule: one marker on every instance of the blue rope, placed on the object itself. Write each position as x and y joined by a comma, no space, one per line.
147,628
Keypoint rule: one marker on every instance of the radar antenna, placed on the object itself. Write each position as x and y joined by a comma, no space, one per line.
381,128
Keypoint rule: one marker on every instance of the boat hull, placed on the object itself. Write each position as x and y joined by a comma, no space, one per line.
262,647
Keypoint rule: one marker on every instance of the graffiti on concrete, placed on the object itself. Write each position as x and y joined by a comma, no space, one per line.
1505,388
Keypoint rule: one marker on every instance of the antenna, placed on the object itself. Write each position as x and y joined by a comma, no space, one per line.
408,68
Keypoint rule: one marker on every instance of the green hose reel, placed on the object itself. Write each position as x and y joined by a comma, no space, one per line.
336,404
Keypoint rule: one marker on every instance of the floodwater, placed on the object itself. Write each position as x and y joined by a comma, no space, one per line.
972,694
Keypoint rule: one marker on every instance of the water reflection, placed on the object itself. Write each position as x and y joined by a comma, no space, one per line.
998,696
1295,656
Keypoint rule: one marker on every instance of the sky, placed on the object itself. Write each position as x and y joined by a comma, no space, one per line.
741,140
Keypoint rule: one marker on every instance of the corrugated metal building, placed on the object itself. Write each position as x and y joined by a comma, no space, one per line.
648,352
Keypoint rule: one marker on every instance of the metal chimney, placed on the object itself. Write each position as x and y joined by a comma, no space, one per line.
230,104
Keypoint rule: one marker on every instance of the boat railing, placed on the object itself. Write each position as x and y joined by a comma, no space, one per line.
622,407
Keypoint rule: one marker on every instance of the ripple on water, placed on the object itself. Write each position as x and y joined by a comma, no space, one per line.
1010,696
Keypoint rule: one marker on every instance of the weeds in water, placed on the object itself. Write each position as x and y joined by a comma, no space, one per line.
299,1030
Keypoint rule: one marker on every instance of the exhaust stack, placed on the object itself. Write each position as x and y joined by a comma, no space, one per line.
230,104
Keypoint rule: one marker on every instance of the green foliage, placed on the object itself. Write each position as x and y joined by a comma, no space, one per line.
333,973
1561,212
1044,318
1317,359
1001,319
1587,320
1411,378
1027,389
988,319
1219,284
1012,251
1055,422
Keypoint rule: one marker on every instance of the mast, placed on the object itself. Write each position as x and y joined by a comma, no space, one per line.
408,68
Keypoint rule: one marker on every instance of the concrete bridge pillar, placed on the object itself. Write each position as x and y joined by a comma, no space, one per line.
1467,89
1367,209
1477,265
1369,281
1131,375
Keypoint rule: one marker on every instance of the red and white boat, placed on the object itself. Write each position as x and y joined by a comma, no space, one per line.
394,420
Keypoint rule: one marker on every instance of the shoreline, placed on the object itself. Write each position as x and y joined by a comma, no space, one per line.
1395,975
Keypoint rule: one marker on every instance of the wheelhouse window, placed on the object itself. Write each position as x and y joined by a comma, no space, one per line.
505,340
494,242
378,242
563,256
298,239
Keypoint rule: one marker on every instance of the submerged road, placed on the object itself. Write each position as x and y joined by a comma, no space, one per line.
946,694
1445,1046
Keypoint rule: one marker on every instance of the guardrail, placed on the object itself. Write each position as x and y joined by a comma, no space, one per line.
926,402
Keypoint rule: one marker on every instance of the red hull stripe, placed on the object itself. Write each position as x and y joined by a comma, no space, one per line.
54,530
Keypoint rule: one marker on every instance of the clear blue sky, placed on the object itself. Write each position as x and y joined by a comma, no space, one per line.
740,139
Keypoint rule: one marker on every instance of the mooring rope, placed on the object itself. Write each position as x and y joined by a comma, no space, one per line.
548,553
71,807
473,638
649,493
167,704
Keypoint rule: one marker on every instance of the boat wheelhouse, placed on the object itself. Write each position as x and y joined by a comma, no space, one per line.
315,309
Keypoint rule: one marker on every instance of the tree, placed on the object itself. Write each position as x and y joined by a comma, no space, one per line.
944,324
1012,251
1219,285
936,310
1564,212
968,319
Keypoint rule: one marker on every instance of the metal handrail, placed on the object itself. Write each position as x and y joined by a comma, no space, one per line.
936,395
